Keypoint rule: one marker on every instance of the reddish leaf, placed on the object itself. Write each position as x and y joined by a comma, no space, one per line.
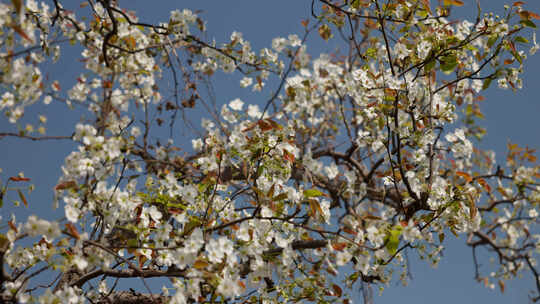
20,31
142,260
56,85
484,184
518,3
465,175
349,231
19,179
371,217
107,84
288,156
12,225
242,284
369,105
339,246
534,15
337,290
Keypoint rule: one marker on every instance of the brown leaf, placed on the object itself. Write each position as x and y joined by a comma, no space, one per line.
131,42
65,185
508,61
18,5
142,260
453,2
325,32
264,125
23,199
501,285
200,264
473,210
189,103
427,5
314,207
73,231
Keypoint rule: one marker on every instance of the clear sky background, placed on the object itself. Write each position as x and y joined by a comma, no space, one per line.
509,116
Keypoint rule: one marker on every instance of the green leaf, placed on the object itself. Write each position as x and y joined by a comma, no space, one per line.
528,23
371,52
422,13
176,205
518,58
2,197
312,193
448,64
492,40
486,84
4,243
389,98
353,277
280,197
429,65
441,237
392,240
522,40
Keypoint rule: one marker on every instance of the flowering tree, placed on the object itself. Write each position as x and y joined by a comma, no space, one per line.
357,157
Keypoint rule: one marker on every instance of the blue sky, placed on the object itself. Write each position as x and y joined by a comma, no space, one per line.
509,116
